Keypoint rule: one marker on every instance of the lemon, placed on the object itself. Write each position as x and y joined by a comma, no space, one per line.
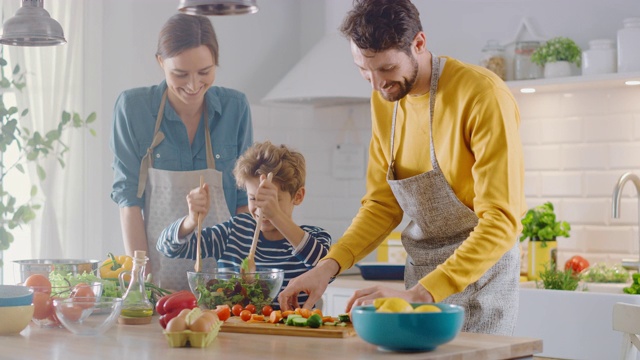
392,305
427,308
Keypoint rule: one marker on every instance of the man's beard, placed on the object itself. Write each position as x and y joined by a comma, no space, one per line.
405,86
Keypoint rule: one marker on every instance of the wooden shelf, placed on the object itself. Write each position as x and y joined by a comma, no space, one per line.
572,83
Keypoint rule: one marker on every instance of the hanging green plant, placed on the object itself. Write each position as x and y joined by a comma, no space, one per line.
31,148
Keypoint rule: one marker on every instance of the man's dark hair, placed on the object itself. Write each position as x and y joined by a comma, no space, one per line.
379,25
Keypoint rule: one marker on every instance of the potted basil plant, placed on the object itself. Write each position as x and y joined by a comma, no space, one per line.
541,228
557,55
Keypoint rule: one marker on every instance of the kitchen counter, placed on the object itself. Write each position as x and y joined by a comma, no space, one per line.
147,342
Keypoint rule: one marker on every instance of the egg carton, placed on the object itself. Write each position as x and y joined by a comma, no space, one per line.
192,338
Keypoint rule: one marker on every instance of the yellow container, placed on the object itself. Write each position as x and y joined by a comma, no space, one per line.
391,249
539,257
191,338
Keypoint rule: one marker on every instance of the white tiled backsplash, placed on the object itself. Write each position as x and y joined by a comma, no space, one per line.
575,148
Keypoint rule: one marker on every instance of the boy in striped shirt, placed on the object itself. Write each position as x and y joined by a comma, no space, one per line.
282,244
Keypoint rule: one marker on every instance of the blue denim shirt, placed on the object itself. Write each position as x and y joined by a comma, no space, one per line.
134,119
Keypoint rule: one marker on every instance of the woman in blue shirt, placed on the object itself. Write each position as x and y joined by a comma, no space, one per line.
165,137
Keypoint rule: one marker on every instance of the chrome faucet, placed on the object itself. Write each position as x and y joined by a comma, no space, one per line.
615,211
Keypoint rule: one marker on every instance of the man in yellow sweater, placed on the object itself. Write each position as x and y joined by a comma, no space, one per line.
445,151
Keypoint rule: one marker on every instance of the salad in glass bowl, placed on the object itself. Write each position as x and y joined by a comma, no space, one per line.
229,286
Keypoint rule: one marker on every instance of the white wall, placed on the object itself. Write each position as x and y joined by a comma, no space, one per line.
257,50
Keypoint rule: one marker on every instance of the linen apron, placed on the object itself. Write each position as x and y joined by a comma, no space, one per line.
439,224
165,192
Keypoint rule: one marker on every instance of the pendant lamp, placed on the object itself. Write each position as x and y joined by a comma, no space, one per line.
32,26
218,7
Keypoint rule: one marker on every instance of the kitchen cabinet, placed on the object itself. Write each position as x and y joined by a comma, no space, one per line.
337,295
573,83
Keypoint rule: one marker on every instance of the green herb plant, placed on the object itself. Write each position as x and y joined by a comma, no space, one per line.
31,148
554,279
557,49
540,224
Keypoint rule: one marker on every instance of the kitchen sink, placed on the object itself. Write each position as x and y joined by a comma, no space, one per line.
573,324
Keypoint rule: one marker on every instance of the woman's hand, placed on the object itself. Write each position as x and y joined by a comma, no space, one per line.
314,282
417,294
198,201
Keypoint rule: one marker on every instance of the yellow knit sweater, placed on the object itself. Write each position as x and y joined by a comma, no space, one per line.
478,147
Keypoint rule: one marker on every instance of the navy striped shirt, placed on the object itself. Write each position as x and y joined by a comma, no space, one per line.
229,244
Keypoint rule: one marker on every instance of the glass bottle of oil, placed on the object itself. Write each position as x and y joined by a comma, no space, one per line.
136,307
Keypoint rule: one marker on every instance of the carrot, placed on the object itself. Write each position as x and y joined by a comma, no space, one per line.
317,311
275,317
257,318
287,313
305,313
328,319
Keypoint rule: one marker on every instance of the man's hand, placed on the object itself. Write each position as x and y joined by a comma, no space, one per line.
417,294
314,282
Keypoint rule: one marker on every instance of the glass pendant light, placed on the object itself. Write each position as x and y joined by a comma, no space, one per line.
32,26
218,7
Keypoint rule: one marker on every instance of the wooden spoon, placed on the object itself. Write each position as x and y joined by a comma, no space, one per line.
198,266
251,263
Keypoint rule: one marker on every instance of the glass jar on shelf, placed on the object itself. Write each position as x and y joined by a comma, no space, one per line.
524,68
600,58
629,46
493,58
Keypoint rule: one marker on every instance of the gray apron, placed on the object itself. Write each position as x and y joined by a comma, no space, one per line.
165,203
439,224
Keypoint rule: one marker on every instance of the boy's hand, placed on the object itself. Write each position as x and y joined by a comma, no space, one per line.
267,198
198,201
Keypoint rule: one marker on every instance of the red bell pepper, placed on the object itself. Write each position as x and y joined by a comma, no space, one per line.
169,306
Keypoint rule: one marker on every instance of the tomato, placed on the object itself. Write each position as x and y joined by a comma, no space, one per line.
236,309
42,306
39,283
245,315
83,295
266,310
72,312
576,264
251,308
223,312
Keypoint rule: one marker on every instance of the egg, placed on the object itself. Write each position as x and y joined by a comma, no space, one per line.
202,324
176,324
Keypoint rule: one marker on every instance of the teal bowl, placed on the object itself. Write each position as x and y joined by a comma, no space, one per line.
15,295
406,331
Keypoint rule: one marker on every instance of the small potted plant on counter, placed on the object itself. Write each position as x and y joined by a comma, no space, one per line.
557,55
541,228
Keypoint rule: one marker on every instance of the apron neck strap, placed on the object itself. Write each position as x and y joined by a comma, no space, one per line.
433,89
158,136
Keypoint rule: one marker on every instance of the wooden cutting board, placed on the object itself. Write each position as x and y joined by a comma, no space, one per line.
235,325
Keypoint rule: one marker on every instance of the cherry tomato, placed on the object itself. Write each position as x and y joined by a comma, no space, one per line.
236,309
251,308
245,315
576,264
266,310
223,312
